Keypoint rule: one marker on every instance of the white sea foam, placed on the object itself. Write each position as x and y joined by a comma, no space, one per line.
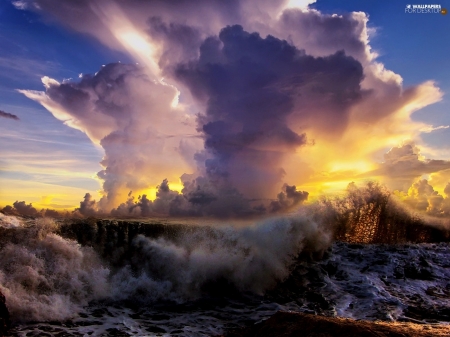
251,259
46,277
363,285
10,221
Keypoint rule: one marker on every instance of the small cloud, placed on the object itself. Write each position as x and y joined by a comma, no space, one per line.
429,129
20,5
25,4
8,115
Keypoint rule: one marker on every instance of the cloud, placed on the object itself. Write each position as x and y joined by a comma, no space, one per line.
20,207
8,115
288,199
321,34
250,85
199,197
257,97
20,4
179,41
447,190
88,207
422,197
430,128
134,120
404,164
24,209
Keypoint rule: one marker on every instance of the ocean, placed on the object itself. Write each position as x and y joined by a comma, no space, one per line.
155,277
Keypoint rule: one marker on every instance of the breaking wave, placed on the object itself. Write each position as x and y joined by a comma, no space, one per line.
45,276
55,270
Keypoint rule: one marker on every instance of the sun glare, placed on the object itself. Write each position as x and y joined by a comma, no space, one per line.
136,42
357,166
302,4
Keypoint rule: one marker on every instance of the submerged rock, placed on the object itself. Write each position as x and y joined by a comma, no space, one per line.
289,324
4,316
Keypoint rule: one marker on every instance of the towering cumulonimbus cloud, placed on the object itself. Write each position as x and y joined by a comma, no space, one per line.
249,86
257,99
133,118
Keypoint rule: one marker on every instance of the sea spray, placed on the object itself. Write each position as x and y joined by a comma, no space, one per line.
252,259
7,221
51,272
46,277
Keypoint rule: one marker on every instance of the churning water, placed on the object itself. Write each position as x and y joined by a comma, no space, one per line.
107,277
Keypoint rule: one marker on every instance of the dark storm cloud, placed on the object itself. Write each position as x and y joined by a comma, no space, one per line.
251,86
211,196
21,208
256,92
288,198
8,115
88,206
24,209
199,197
50,213
180,41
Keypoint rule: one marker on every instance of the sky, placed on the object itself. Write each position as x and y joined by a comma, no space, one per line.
221,108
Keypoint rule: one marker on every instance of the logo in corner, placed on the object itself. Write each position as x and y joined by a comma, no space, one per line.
425,9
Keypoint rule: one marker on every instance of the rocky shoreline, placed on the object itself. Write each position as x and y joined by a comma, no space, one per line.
4,316
293,324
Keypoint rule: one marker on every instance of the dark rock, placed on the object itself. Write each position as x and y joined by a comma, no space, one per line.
5,322
289,324
415,272
331,267
116,332
155,329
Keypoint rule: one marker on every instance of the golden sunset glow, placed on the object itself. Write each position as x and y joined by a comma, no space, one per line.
42,195
202,108
215,167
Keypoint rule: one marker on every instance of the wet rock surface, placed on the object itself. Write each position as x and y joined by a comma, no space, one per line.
288,324
409,283
4,316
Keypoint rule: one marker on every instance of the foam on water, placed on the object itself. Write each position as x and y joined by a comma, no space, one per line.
404,282
46,277
8,221
363,282
203,281
250,259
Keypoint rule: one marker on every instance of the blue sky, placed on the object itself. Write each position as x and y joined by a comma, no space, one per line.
33,48
47,163
416,46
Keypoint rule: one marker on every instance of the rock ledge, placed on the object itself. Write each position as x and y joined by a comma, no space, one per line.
289,324
4,316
